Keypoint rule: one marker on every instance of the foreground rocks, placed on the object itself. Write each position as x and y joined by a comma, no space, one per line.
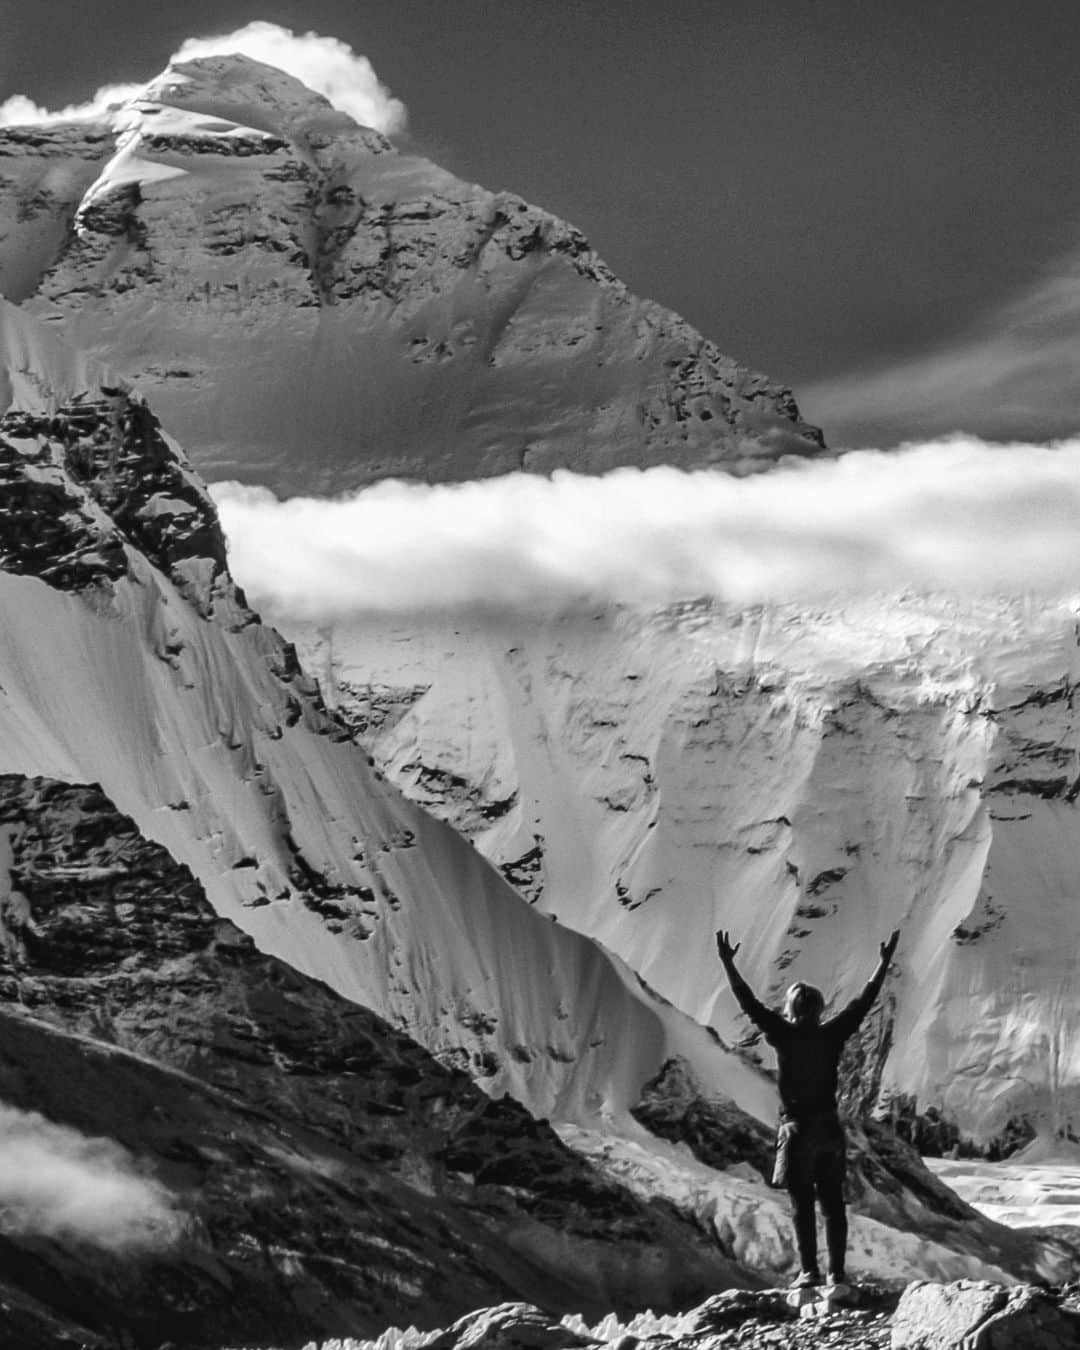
964,1315
982,1316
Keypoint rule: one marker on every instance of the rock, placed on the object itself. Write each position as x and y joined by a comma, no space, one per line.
510,1326
977,1315
735,1306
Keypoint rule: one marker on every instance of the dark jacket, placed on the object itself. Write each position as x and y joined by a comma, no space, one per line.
807,1055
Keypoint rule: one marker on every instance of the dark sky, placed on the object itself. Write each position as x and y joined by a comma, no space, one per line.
817,185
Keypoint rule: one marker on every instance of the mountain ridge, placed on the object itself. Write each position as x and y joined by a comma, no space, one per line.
434,330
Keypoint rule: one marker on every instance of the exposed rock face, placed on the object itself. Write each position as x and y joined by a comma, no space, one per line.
673,1107
44,173
310,309
752,1318
107,454
979,1316
513,1326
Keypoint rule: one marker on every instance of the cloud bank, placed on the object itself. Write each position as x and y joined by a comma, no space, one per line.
59,1183
1013,375
325,64
952,516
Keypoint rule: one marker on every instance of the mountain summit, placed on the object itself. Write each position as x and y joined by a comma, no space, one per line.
311,309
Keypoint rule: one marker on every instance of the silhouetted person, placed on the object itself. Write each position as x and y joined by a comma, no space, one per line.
810,1157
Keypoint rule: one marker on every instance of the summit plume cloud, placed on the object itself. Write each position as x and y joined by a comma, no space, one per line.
954,515
325,64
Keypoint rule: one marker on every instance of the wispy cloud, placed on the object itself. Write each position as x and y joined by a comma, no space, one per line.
1014,374
954,515
325,64
59,1183
21,111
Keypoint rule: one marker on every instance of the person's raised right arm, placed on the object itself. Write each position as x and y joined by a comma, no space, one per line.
846,1023
765,1019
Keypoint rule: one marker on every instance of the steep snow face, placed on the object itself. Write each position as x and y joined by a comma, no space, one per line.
809,780
310,309
37,370
154,680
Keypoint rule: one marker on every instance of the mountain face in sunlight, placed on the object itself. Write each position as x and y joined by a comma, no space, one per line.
310,309
226,891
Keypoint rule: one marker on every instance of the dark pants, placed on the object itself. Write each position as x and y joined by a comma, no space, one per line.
811,1162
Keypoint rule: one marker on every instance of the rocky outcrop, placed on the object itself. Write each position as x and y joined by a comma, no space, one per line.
309,308
672,1106
962,1316
106,453
513,1326
973,1315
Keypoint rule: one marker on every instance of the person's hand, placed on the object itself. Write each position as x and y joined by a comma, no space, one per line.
724,946
887,948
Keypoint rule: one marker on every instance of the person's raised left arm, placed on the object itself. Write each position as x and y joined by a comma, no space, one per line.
846,1022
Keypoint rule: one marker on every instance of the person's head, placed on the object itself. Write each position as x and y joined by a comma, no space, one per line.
804,1004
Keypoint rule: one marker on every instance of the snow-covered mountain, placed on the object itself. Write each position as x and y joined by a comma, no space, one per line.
809,779
160,745
131,661
308,308
313,309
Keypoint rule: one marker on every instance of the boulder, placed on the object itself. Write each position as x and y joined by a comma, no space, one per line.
735,1306
977,1315
510,1326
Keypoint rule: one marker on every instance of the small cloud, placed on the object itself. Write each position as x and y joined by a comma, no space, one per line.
325,64
20,111
955,515
58,1183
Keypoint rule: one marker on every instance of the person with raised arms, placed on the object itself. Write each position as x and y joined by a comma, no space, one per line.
810,1151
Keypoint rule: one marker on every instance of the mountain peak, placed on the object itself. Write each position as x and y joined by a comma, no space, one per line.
312,309
230,91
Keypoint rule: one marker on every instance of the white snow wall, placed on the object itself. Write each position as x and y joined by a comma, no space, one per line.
808,779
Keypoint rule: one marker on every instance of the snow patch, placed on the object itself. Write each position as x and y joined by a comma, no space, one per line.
1039,1187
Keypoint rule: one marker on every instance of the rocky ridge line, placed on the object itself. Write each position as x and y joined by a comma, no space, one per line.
374,315
965,1315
